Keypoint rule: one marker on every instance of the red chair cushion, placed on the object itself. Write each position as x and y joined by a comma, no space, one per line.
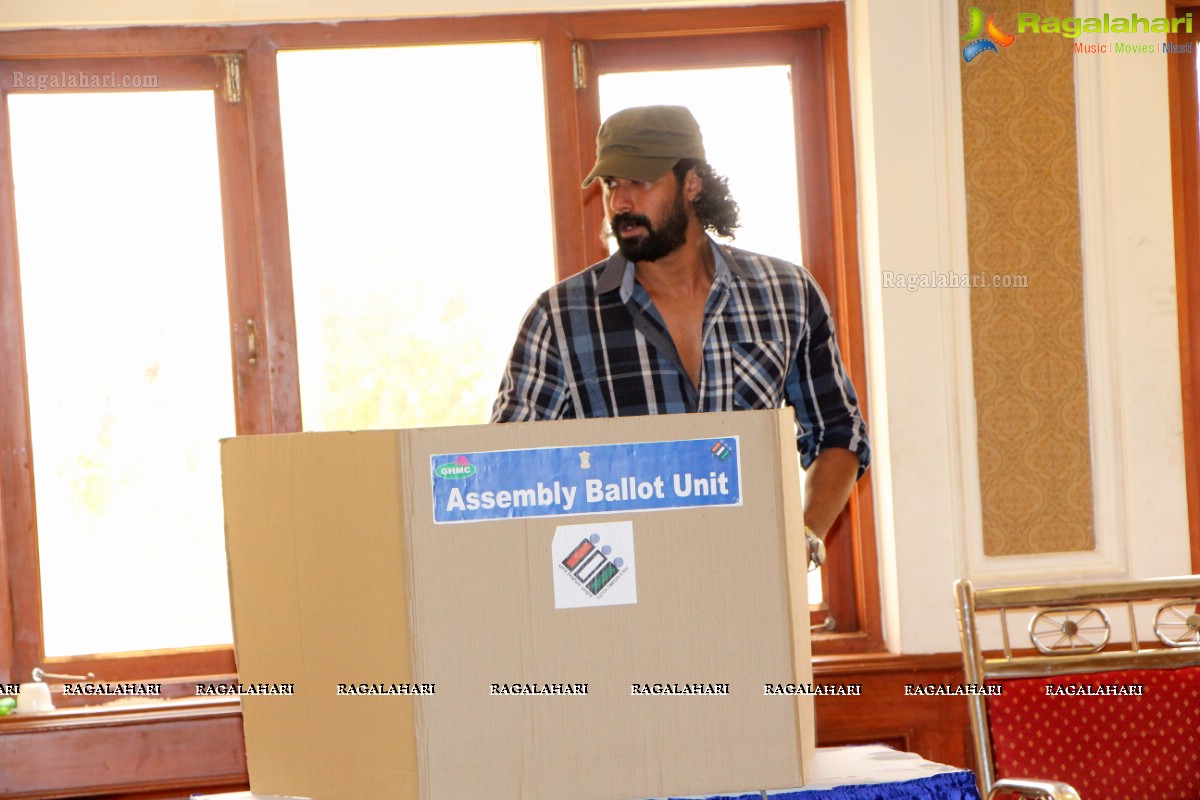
1107,747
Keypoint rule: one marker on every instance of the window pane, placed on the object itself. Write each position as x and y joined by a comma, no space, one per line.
123,293
758,157
816,592
745,114
419,208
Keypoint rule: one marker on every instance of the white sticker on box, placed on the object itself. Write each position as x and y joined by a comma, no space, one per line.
593,565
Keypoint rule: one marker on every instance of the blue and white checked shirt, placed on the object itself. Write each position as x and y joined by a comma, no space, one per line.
594,345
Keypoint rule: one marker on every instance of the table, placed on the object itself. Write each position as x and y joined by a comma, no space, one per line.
876,771
857,772
870,772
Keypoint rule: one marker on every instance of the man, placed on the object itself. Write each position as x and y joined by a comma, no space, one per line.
675,322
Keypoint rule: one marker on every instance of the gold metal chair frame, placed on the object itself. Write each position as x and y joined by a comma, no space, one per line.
1071,633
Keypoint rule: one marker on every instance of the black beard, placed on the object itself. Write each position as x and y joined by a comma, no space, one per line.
655,244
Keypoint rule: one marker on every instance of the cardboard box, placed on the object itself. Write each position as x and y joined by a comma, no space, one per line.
555,610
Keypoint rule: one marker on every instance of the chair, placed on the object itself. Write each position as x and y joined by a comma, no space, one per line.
1061,718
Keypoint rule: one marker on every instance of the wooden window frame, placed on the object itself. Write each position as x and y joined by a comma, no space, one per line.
810,53
253,407
1185,180
258,252
170,736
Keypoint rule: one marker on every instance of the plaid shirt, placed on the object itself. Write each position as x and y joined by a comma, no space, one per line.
594,345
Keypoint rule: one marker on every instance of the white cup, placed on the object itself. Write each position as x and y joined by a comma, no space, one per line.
34,697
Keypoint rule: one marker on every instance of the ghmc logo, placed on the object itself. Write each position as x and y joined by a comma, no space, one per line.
461,468
983,36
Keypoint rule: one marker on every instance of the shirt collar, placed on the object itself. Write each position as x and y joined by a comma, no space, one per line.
618,271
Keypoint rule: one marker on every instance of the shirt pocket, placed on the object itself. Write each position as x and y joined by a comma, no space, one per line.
759,370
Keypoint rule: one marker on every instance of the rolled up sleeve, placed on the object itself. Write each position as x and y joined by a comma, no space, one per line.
534,382
819,388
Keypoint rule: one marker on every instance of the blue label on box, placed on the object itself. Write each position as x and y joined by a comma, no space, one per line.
599,479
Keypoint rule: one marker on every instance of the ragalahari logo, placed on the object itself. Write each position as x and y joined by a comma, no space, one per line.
983,36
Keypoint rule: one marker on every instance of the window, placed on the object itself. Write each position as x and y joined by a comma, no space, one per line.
124,317
125,334
293,293
766,113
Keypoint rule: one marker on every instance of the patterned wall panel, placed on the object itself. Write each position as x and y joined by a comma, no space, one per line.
1023,224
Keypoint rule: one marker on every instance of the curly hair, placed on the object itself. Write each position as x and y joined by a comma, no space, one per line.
714,206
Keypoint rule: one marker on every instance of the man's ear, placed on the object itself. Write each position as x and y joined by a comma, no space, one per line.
693,185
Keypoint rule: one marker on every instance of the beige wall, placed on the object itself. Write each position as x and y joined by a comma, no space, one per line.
908,127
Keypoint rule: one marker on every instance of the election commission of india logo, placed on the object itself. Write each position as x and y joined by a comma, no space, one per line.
593,565
983,37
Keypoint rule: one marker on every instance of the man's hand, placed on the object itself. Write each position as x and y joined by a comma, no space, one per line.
831,476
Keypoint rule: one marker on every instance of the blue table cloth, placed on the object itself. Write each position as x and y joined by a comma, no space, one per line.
948,786
869,772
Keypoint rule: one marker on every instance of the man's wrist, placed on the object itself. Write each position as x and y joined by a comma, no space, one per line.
816,548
